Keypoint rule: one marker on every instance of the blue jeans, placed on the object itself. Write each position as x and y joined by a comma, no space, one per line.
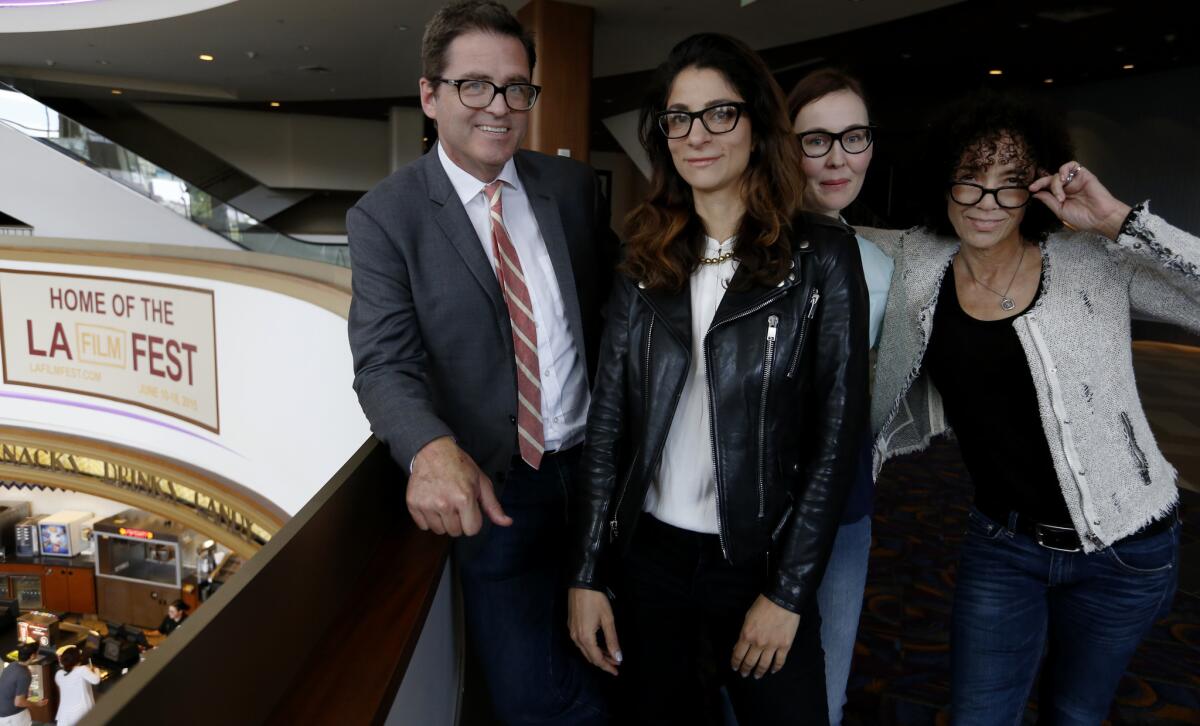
1015,599
840,601
514,595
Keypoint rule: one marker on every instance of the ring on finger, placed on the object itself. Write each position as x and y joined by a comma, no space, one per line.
1071,175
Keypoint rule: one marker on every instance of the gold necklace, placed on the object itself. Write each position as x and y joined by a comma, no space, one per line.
716,260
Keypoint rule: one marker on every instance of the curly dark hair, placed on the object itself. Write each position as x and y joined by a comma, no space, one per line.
665,235
981,129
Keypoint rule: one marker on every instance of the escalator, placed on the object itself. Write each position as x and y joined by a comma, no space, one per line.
234,228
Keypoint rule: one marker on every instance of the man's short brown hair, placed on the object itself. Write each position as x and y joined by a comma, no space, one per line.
464,17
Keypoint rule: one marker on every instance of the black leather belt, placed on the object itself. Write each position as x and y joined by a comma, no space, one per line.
1065,539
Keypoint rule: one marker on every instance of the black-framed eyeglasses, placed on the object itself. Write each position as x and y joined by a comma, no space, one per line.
719,119
854,140
476,93
969,194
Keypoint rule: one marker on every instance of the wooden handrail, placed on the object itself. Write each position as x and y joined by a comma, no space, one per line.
318,627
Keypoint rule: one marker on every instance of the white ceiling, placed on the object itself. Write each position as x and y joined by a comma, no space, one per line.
371,47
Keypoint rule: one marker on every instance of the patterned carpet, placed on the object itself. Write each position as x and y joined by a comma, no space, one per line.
901,667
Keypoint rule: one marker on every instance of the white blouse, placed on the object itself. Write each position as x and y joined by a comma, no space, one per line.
684,492
74,694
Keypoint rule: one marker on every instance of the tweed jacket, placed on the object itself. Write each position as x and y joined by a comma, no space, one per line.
1076,339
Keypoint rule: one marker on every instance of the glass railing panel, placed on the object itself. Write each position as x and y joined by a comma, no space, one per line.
38,121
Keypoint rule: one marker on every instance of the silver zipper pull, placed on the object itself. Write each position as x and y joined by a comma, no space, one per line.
612,531
812,303
772,327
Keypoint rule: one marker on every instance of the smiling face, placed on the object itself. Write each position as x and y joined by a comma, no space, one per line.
709,163
993,163
480,141
833,181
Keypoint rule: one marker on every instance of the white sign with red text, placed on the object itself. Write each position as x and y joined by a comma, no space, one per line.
148,344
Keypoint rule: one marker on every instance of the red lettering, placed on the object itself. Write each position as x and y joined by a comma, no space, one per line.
32,350
190,350
138,351
59,341
156,355
173,368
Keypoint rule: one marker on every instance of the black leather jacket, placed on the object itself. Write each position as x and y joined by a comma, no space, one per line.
787,391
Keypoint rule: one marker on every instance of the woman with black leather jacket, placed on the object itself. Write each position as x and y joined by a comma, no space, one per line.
726,412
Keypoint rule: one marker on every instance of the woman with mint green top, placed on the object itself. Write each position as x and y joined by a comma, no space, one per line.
831,121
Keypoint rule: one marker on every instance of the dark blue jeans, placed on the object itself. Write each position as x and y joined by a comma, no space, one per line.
1087,612
514,594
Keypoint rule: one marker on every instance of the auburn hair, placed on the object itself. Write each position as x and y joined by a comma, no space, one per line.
665,236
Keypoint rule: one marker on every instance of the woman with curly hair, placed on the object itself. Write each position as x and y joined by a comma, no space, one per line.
726,413
1015,333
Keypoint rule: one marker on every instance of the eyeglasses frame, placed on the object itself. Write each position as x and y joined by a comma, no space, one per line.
497,90
739,106
838,138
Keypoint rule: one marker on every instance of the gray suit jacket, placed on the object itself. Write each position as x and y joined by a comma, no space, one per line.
429,330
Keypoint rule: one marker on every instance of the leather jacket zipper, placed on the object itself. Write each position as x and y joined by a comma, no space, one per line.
612,532
768,361
712,414
812,311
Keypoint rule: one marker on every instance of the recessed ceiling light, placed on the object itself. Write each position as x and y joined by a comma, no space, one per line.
995,72
1048,80
116,92
206,57
401,27
274,104
1128,66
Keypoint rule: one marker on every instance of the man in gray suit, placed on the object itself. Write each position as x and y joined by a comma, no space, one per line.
479,271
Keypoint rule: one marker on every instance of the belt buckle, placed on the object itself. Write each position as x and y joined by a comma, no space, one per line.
1040,532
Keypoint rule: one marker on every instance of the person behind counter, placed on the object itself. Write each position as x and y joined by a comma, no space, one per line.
176,614
14,687
74,687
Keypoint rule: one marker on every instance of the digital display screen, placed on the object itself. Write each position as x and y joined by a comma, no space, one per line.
56,539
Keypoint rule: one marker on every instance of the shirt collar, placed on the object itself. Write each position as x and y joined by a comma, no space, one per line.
468,187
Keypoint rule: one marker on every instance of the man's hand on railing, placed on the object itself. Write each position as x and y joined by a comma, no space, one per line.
447,490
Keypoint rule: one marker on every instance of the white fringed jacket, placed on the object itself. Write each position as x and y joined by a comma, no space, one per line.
1077,341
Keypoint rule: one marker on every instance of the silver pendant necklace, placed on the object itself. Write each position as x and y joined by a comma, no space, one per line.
1006,302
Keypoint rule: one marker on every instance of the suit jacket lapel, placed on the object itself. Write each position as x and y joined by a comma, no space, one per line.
545,210
456,225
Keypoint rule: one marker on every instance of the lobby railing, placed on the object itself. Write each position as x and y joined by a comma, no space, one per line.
317,628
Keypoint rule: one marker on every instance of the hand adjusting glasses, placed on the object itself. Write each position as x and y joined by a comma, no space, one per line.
475,93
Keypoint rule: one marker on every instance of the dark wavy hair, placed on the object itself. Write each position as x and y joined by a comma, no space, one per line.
980,129
469,16
665,235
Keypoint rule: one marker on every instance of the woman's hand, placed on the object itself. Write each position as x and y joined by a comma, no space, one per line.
1078,198
589,613
766,638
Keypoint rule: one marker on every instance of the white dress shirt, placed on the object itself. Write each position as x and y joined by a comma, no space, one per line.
565,394
684,492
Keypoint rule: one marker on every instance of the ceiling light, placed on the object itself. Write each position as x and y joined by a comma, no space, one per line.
401,27
206,57
995,72
1128,66
274,104
116,92
1048,80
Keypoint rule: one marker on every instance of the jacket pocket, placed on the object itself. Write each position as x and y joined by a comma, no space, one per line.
798,346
